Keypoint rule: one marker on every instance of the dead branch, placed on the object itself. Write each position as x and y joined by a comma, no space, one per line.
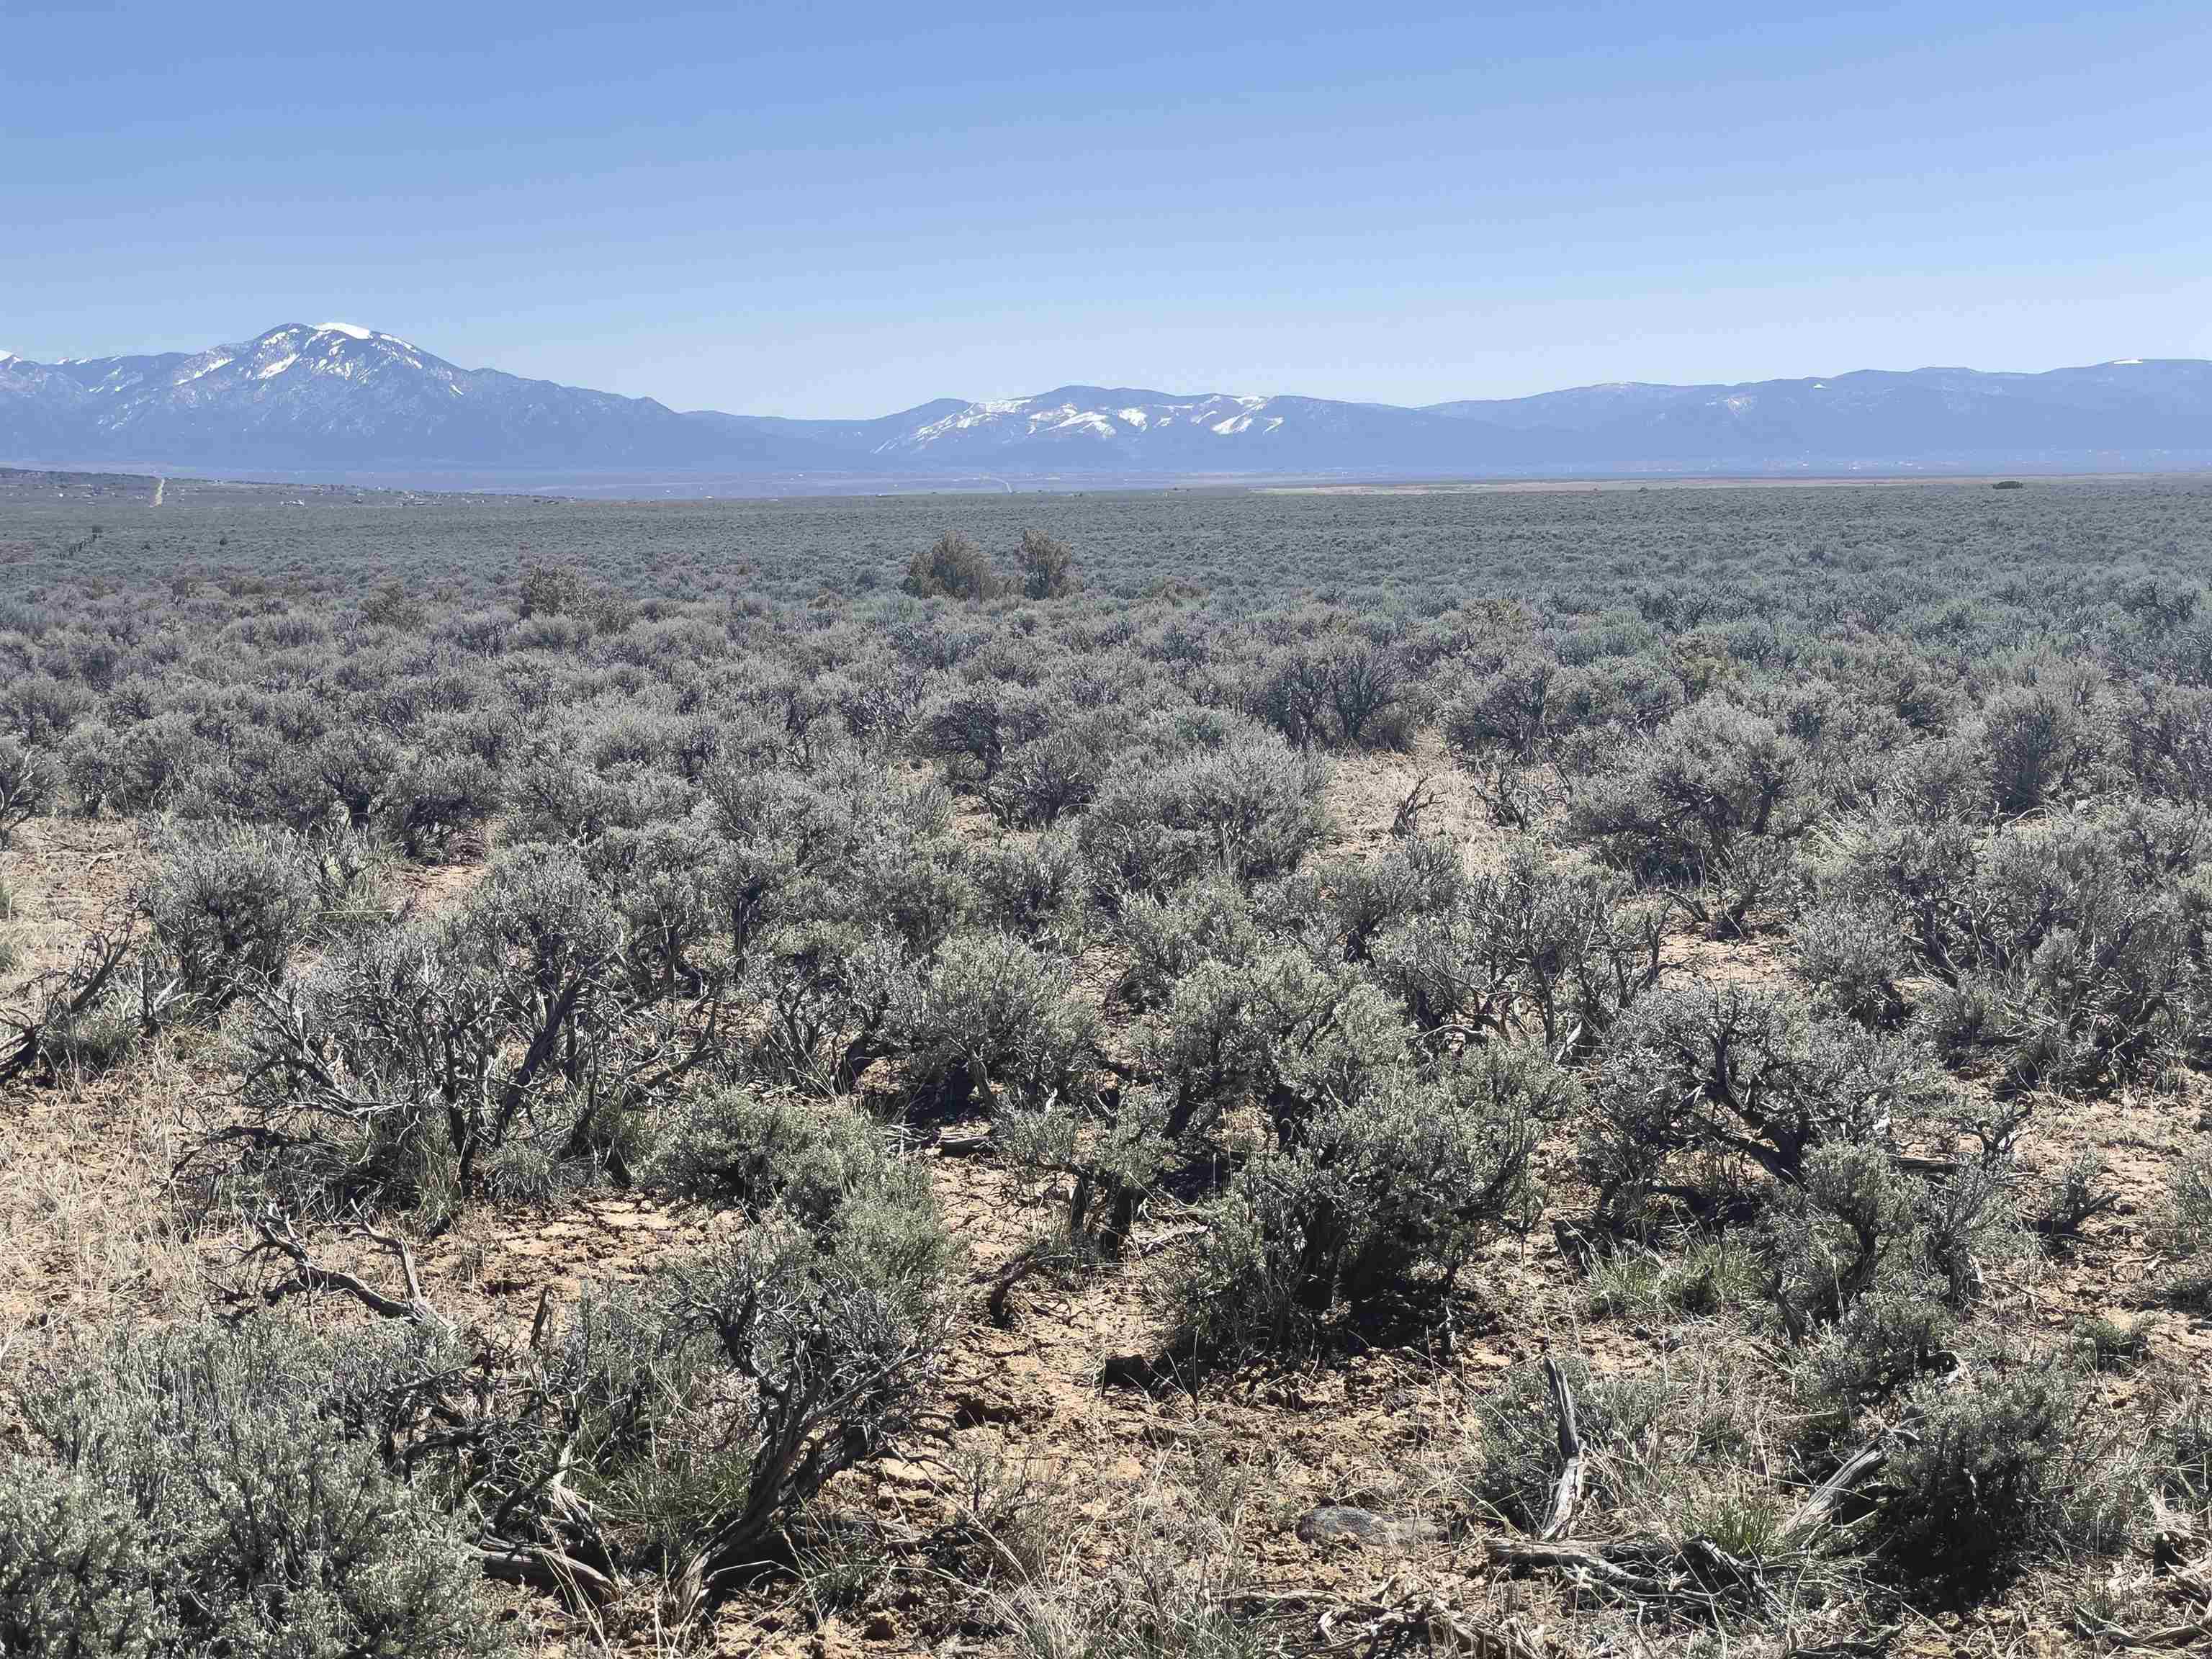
1395,1618
1695,1575
1173,1237
1815,1509
279,1238
65,997
2165,1636
1582,1558
1567,1496
1408,819
544,1570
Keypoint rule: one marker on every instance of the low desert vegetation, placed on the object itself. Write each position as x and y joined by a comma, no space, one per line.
1698,1003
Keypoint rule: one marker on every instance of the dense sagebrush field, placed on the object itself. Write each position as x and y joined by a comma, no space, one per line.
1518,1072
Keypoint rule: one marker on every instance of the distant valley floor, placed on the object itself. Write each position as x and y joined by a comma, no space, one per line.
19,482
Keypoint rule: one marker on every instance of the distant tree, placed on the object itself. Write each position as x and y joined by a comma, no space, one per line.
1048,567
545,590
953,567
390,605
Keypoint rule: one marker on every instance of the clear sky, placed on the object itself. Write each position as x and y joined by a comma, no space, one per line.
846,209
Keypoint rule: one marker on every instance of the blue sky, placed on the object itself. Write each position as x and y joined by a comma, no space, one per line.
848,209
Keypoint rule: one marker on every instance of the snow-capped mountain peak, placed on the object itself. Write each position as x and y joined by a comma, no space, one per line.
1120,422
329,395
339,397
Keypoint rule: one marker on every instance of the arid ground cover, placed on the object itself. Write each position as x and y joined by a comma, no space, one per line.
1523,1073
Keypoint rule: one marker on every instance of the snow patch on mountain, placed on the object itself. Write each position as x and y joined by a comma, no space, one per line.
341,397
973,416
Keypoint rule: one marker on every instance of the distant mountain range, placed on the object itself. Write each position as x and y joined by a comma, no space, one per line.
342,399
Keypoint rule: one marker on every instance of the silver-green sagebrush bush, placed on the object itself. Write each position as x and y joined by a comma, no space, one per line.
1698,797
1984,1476
989,1014
27,786
200,1492
411,1054
2182,1233
1037,889
1250,809
749,1149
701,1412
1703,1091
227,908
1525,950
2071,951
1372,1199
257,1488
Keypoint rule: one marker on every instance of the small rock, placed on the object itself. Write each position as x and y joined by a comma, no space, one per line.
1334,1523
879,1629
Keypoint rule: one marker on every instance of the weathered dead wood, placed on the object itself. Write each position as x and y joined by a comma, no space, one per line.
1815,1509
279,1238
544,1570
1406,821
1396,1619
1567,1496
1696,1574
2165,1636
1173,1237
63,1001
1576,1558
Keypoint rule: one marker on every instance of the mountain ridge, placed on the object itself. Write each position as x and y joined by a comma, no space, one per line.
340,398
